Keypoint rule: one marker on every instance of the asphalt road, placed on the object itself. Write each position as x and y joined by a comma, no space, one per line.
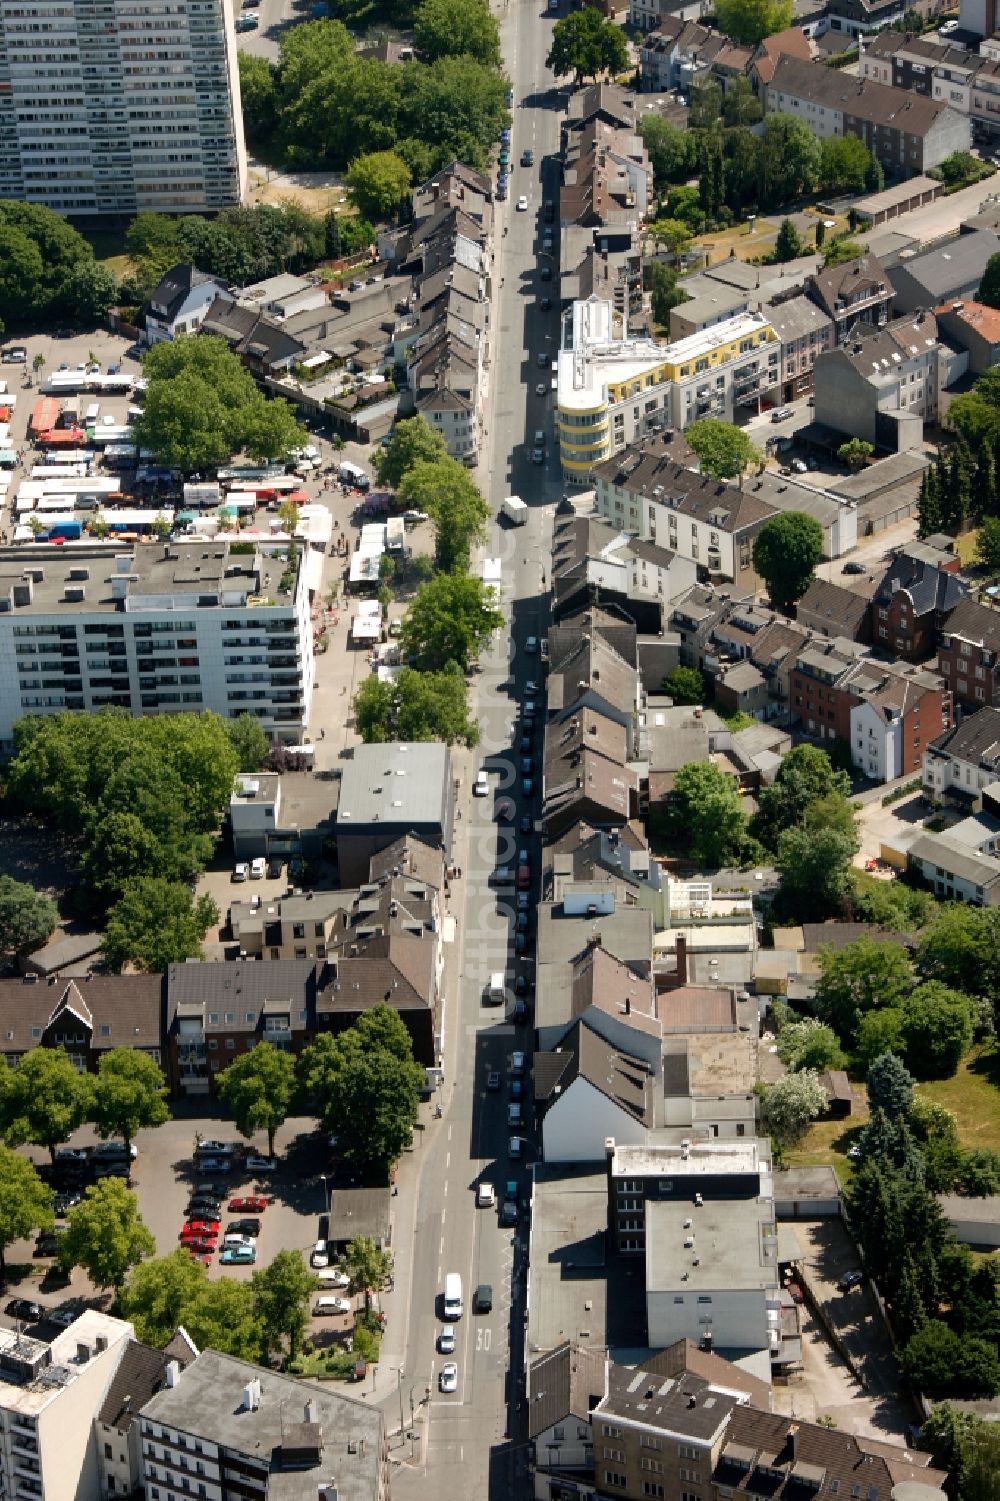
468,1443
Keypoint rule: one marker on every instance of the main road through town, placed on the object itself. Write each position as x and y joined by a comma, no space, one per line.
471,1443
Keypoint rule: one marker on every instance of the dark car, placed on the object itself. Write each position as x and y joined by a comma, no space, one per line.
523,921
25,1310
274,869
520,1012
546,273
855,567
517,1089
526,765
849,1280
545,303
47,1243
64,1202
549,210
527,824
243,1227
527,158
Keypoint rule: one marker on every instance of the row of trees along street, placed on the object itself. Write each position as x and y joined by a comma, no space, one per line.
452,615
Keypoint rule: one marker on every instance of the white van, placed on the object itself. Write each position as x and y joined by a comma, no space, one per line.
92,414
498,989
453,1296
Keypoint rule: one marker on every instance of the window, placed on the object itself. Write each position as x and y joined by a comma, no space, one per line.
230,1045
108,1453
652,1465
213,1044
612,1477
650,1488
687,1451
618,1454
607,1431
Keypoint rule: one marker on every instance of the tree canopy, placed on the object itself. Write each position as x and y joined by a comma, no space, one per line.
41,255
723,450
106,1234
814,863
890,1086
961,947
156,923
447,492
413,440
44,1100
27,917
936,1029
25,1202
685,685
281,1300
750,21
785,553
445,28
175,1289
452,619
989,287
706,815
416,706
129,1094
861,977
259,1088
378,182
202,406
806,776
789,1106
586,45
363,1084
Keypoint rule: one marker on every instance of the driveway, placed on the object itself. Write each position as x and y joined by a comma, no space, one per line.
877,824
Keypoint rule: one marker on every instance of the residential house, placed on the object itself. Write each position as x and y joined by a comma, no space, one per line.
984,103
855,293
682,54
265,345
964,760
805,329
885,384
455,186
828,609
837,515
907,132
597,910
956,868
792,42
709,1077
586,1090
606,176
742,689
179,302
650,15
852,19
141,1373
894,715
585,773
906,60
975,328
949,273
711,522
969,654
910,605
87,1016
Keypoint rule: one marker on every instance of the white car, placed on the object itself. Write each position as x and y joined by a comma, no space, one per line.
237,1238
242,872
257,1164
517,1064
800,466
448,1379
216,1148
446,1341
522,204
485,1196
331,1306
257,868
319,1256
481,786
333,1277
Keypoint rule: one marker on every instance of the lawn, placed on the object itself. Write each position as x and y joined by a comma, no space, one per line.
109,249
826,1142
965,542
973,1097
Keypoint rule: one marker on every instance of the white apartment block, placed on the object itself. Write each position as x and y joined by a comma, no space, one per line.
178,626
113,106
50,1395
613,390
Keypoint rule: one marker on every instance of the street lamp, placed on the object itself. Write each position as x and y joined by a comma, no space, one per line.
400,1373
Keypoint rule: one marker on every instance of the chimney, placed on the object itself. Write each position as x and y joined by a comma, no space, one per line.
172,1373
682,960
251,1396
311,1414
793,1436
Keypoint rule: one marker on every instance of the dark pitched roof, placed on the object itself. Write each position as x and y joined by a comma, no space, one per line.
650,470
928,588
864,99
240,988
832,609
119,1011
829,287
168,296
626,1081
140,1373
975,623
975,739
567,1382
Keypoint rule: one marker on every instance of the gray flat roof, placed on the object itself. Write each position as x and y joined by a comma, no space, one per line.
208,1402
729,1250
395,783
568,1287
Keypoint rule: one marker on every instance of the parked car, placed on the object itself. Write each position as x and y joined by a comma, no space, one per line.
218,1166
64,1202
73,1154
201,1227
854,567
333,1277
258,868
209,1148
517,1062
446,1341
780,413
527,824
800,466
448,1379
256,1164
515,1148
239,1256
241,872
329,1304
112,1169
545,303
243,1227
235,1238
248,1204
274,869
493,1081
515,1116
520,1011
485,1196
319,1255
47,1244
25,1310
851,1279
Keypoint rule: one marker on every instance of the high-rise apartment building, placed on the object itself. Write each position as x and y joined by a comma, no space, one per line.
178,626
112,106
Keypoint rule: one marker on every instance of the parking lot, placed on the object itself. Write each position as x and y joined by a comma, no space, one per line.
163,1175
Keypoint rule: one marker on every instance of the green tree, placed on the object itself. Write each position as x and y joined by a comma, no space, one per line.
121,849
815,869
129,1094
809,1044
723,450
444,27
805,777
840,250
890,1085
704,105
413,441
936,1360
379,181
257,95
989,287
586,45
223,1317
158,1294
452,619
91,291
879,1032
988,544
367,1265
446,491
25,1203
936,1029
270,428
157,923
785,553
366,1094
27,917
22,288
791,1105
855,453
248,740
788,163
788,243
416,706
844,163
259,1088
961,948
750,21
669,147
706,815
281,1300
820,233
673,234
106,1234
44,1100
685,685
861,977
740,105
661,280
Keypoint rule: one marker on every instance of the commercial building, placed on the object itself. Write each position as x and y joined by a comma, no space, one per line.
388,791
112,107
170,627
949,273
249,1431
884,384
613,390
50,1397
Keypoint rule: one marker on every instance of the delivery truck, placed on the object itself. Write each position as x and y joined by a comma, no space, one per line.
515,510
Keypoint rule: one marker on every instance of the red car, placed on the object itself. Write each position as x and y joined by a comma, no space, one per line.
252,1204
201,1227
199,1244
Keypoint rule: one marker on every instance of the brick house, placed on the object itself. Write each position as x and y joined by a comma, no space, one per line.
969,654
910,606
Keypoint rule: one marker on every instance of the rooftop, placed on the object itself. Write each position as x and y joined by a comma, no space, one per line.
33,1373
568,1283
395,783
